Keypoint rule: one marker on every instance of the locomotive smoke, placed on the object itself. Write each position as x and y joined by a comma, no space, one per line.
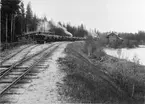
53,25
47,25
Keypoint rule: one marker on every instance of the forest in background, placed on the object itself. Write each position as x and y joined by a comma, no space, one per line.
16,20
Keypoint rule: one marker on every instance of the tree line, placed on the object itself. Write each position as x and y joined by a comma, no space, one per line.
15,20
79,31
139,36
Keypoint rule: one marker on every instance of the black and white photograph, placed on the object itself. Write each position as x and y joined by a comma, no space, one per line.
72,51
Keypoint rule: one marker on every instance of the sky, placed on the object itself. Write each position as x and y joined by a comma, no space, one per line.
104,15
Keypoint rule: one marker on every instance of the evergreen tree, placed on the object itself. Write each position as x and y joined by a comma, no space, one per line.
10,8
29,17
79,31
60,24
23,18
45,19
14,20
34,23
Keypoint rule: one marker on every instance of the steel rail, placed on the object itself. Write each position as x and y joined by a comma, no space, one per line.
2,71
9,57
45,55
23,60
19,60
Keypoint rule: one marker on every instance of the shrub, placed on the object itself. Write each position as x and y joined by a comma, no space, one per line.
118,82
94,47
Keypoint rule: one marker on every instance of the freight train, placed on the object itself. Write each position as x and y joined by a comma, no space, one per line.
44,37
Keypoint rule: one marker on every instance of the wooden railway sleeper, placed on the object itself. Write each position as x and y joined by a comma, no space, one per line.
27,71
24,60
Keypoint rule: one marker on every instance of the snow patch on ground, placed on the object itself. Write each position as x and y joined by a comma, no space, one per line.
44,89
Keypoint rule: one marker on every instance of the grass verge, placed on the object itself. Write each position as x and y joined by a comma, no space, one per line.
87,82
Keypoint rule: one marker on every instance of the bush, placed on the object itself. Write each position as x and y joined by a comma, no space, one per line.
130,80
94,47
124,85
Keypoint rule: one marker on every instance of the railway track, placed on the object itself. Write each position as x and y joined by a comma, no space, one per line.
11,56
24,58
4,67
17,73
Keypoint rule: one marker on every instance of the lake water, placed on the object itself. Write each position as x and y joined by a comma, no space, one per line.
134,55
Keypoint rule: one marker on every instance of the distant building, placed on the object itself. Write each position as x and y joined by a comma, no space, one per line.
113,39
